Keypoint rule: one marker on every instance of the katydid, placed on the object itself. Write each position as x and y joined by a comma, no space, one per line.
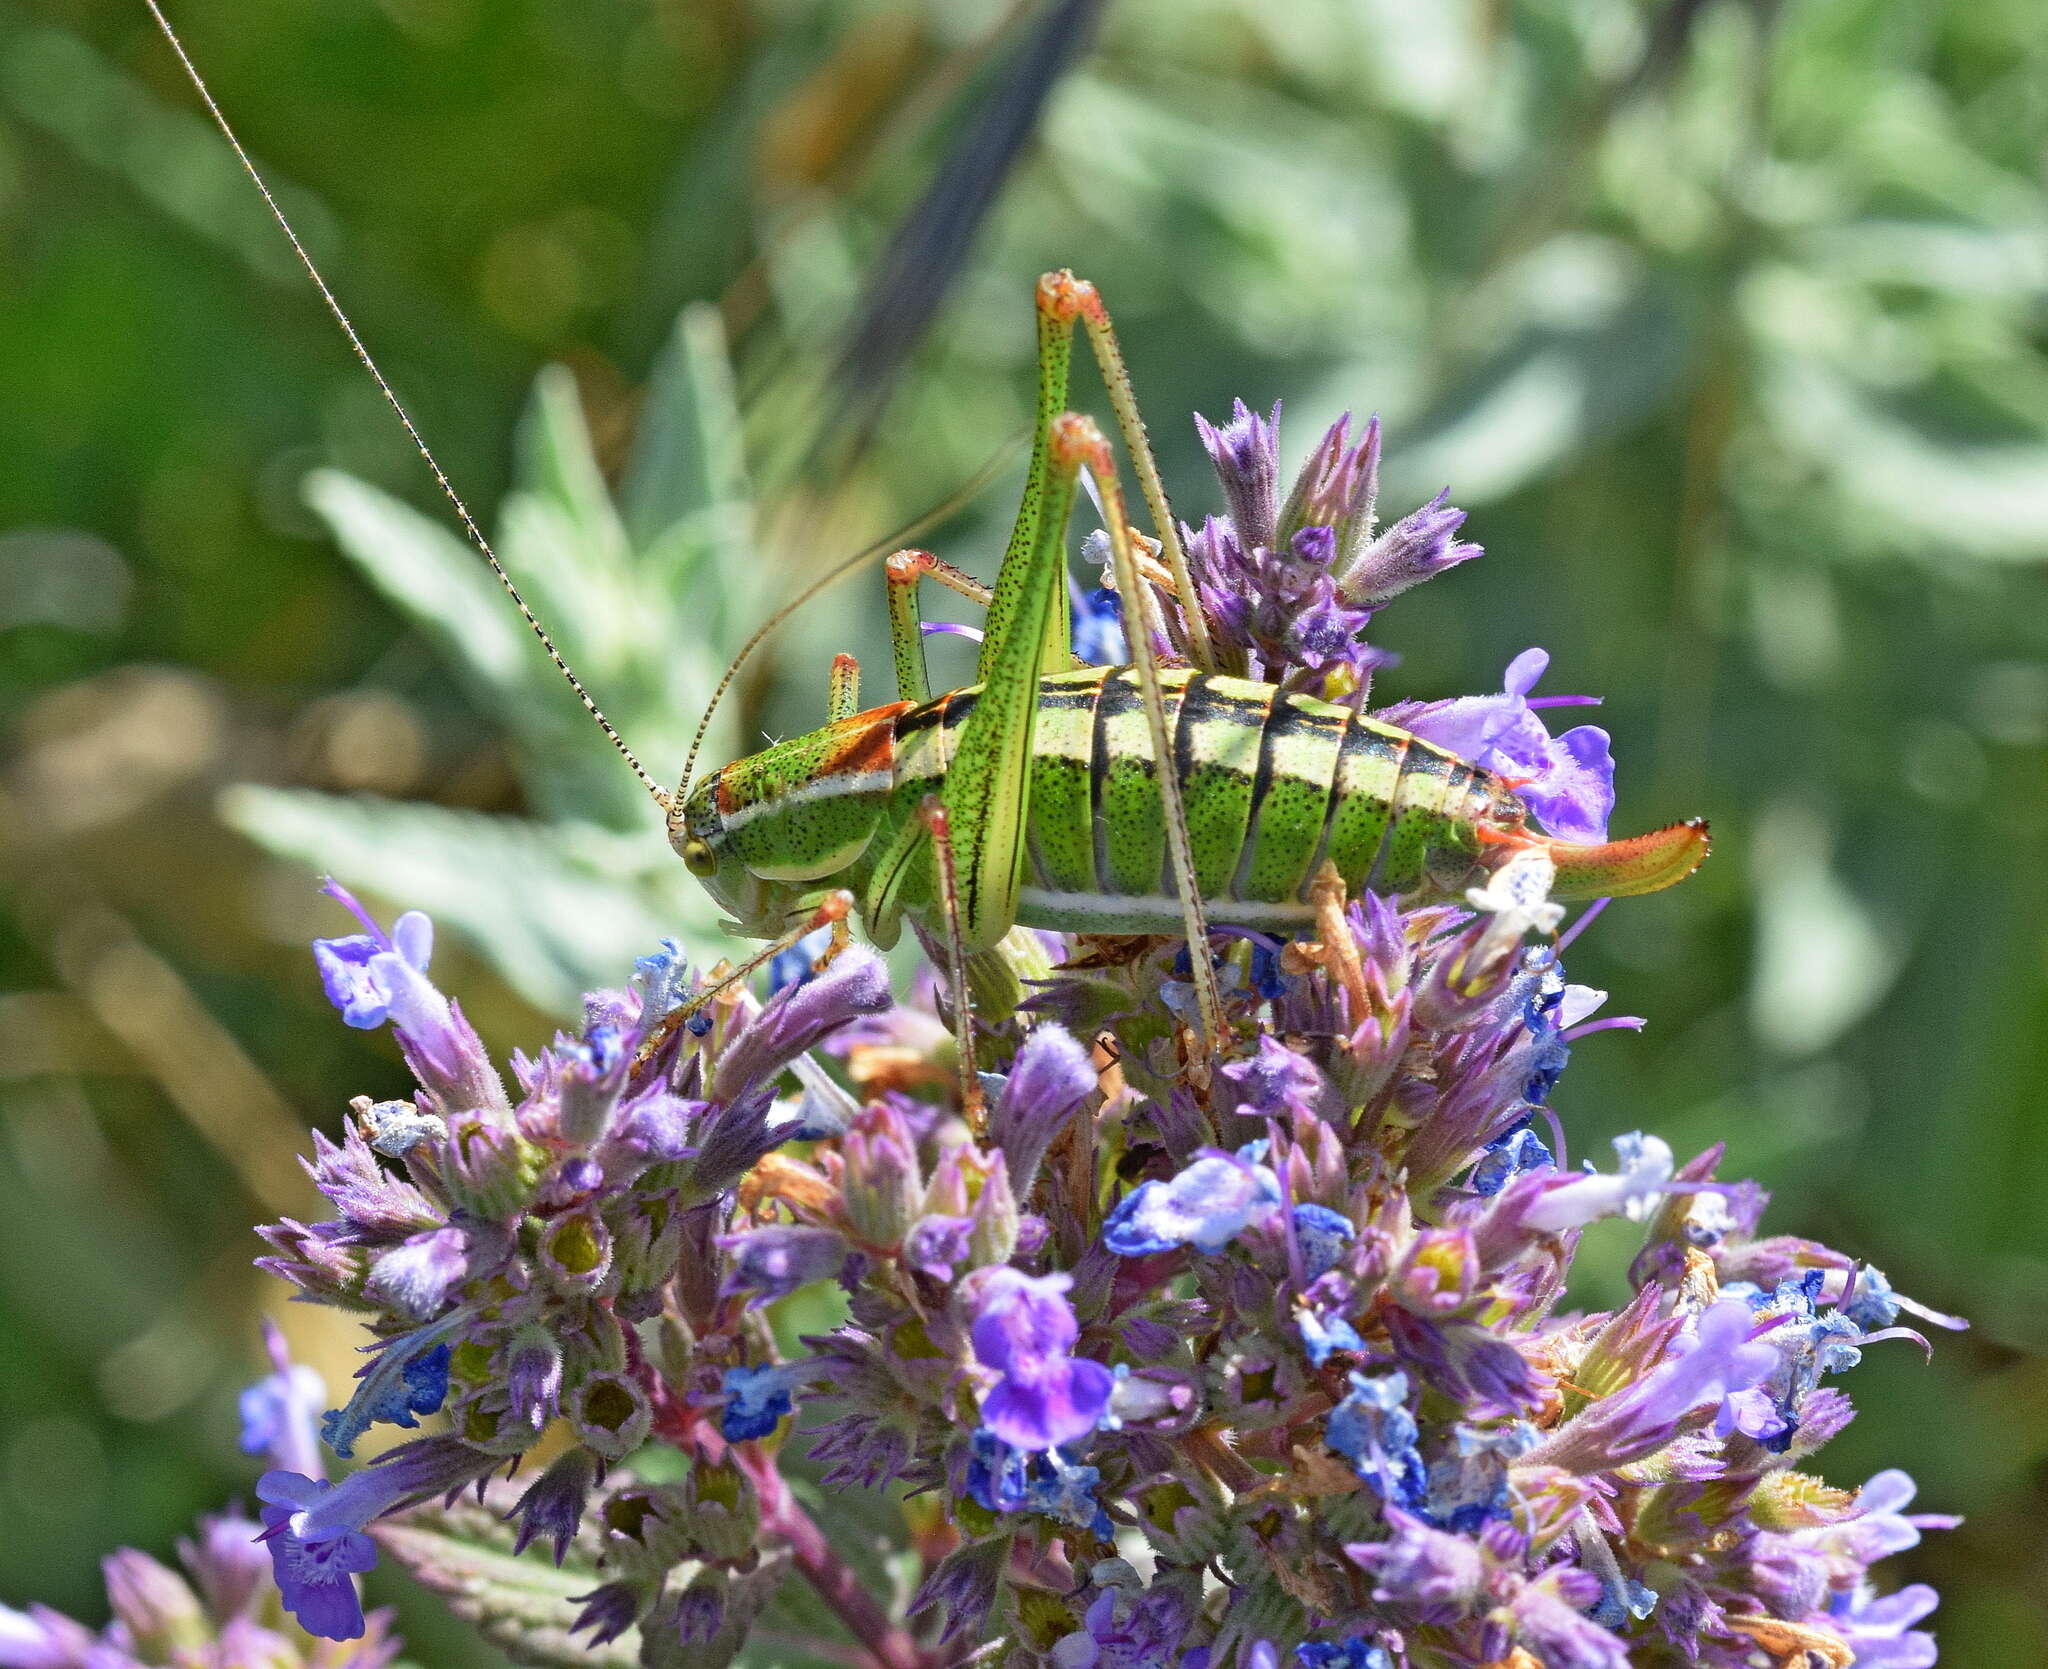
1036,796
1049,773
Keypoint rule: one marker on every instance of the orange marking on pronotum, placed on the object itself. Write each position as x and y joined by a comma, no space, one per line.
865,742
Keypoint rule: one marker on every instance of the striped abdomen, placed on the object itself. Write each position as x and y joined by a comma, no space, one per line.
1273,785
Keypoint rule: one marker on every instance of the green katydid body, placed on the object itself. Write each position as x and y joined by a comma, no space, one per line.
1273,785
1038,795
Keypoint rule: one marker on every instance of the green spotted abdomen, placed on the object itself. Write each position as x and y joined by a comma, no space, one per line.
1273,785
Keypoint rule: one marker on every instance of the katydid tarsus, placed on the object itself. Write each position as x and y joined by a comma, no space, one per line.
1145,799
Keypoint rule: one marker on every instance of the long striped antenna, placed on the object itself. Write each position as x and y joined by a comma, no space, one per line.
469,522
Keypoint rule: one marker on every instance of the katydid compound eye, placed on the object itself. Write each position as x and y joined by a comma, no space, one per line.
698,857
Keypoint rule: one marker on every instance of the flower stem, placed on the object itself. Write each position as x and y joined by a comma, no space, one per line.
885,1645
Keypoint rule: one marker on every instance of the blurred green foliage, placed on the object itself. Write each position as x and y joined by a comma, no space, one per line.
1728,322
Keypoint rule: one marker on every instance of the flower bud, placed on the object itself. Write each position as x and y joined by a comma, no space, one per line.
552,1507
647,1240
154,1605
593,1073
996,1217
882,1184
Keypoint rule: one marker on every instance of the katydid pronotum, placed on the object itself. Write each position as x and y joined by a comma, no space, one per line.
1037,796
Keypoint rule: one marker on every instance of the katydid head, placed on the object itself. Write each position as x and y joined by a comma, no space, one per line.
759,907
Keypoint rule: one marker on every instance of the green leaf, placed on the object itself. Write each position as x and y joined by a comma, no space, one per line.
523,1605
561,535
437,580
689,465
558,909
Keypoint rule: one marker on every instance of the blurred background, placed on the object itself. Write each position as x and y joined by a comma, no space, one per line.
1727,321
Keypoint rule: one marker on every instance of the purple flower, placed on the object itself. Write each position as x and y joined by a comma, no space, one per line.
1052,1075
773,1262
349,967
1024,1329
938,1245
1721,1359
315,1577
1551,1622
1880,1630
1276,1082
1008,1478
373,976
279,1412
757,1398
1206,1206
415,1279
662,977
1324,1332
591,1075
1324,1236
1246,455
796,1018
1126,1627
1419,546
1520,1151
1878,1526
1437,1574
408,1378
1373,1429
1567,781
1098,623
1573,1202
1357,1652
552,1507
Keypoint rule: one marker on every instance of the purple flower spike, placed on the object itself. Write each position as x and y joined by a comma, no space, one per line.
1277,1082
415,1279
1024,1329
281,1411
1567,781
1246,453
373,977
1419,546
1207,1206
1439,1575
1052,1076
794,1019
773,1262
